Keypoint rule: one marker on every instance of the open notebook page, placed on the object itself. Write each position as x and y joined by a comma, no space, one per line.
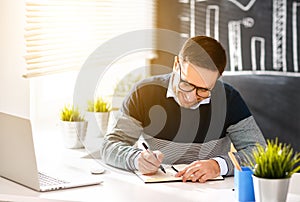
169,176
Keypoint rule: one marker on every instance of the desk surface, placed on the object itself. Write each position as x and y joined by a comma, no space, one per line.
122,186
119,185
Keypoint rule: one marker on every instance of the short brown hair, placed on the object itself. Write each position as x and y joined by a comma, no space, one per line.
205,52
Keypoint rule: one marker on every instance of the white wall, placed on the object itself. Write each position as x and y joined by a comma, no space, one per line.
13,88
39,98
48,95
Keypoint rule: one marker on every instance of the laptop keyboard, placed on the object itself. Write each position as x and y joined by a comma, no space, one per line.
46,180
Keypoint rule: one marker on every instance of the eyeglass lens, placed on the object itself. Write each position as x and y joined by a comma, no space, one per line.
188,87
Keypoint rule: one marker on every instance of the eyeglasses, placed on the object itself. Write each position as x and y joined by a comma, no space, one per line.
188,87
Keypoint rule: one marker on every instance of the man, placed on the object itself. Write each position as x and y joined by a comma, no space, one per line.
188,116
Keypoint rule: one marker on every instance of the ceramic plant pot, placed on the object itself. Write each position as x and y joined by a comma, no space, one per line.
73,133
102,122
273,190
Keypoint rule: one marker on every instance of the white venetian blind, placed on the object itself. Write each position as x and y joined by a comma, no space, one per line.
61,34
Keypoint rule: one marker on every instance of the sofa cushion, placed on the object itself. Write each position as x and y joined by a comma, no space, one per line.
274,102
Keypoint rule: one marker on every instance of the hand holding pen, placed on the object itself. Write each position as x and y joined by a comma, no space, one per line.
150,161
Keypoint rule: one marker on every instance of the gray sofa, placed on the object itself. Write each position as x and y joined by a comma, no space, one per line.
274,102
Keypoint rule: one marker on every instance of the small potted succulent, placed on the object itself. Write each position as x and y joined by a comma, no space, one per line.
273,166
73,127
99,109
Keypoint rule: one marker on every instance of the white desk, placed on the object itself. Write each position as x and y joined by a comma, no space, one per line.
120,186
123,186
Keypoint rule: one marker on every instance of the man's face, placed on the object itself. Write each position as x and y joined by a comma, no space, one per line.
192,84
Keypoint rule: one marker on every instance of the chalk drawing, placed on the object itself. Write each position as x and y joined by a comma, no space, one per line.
279,35
241,6
296,5
255,40
214,9
234,42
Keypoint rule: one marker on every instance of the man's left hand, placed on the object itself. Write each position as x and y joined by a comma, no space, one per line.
200,170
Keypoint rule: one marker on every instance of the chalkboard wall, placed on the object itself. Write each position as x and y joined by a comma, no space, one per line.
258,35
262,40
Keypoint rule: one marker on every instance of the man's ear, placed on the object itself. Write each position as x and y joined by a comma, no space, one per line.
175,64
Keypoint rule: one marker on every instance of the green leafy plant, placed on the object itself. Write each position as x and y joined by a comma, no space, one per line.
276,160
99,105
70,113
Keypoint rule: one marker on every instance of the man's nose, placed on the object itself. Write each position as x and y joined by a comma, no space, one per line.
191,96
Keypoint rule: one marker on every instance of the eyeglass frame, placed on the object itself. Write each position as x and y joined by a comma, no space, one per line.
192,85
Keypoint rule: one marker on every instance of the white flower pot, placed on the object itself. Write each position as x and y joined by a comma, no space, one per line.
96,129
98,122
273,190
73,133
112,120
102,122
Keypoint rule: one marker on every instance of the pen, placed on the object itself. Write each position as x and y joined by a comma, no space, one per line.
146,147
174,169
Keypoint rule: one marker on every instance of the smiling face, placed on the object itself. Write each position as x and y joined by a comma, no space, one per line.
198,77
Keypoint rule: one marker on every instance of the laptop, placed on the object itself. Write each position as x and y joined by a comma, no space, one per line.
18,160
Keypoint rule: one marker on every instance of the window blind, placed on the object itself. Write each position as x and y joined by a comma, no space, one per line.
61,34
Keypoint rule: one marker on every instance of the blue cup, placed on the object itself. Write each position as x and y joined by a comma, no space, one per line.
243,184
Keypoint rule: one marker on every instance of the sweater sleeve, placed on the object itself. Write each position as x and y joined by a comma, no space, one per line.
241,128
118,148
244,135
119,145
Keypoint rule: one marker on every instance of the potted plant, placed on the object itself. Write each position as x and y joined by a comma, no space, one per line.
273,167
73,127
99,108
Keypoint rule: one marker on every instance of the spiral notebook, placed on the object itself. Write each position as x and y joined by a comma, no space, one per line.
169,176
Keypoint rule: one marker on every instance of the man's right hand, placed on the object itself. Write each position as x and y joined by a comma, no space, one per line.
148,163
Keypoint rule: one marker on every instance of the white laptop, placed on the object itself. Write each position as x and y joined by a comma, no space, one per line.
18,160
